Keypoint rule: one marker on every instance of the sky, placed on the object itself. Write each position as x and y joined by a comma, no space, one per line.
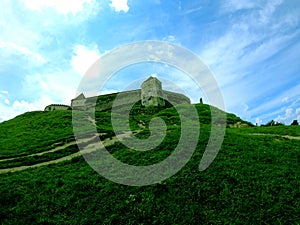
251,47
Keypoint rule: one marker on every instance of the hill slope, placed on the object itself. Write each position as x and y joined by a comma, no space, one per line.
253,180
39,131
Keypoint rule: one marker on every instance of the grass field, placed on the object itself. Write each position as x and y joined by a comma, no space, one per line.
255,178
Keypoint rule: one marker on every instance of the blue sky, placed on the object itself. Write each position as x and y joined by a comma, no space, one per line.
251,47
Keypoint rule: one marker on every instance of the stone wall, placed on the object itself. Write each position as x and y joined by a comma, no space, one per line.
150,94
176,98
57,107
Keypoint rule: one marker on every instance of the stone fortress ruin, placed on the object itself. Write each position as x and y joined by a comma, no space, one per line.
57,107
151,94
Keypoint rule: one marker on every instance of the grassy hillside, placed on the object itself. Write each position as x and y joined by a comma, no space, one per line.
35,132
39,131
253,180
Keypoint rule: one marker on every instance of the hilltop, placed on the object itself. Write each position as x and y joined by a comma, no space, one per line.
39,131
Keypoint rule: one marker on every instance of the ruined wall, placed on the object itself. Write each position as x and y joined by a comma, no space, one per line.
57,107
105,102
151,94
128,97
176,97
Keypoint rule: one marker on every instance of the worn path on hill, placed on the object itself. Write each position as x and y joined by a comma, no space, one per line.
88,149
49,151
92,147
41,153
277,135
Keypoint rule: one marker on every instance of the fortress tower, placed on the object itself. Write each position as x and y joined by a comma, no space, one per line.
152,93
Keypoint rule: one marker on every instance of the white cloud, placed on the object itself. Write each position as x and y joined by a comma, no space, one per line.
275,103
30,41
61,6
298,114
246,40
230,58
290,115
59,86
30,47
193,10
153,75
264,10
285,99
84,57
3,97
119,5
258,121
107,91
233,5
21,106
239,57
268,10
45,89
265,50
170,38
4,92
16,49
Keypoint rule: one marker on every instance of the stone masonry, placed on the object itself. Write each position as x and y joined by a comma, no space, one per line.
150,94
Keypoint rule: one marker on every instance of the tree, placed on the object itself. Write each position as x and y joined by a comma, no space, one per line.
295,123
270,123
273,123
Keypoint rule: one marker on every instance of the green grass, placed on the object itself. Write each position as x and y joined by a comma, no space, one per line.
35,132
248,183
31,160
255,179
275,130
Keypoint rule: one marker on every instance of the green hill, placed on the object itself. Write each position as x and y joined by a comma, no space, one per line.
253,180
39,131
35,132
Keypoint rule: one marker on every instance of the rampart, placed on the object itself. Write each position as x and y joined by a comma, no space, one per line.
150,94
57,107
105,102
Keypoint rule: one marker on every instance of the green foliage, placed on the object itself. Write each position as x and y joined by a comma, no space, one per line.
273,123
272,130
295,123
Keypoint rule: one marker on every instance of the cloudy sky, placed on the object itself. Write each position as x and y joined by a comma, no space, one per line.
252,48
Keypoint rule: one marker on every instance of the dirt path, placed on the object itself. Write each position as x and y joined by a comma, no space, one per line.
284,136
88,149
41,153
291,137
49,151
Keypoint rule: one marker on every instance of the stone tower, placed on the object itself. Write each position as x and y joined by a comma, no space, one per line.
151,93
78,102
